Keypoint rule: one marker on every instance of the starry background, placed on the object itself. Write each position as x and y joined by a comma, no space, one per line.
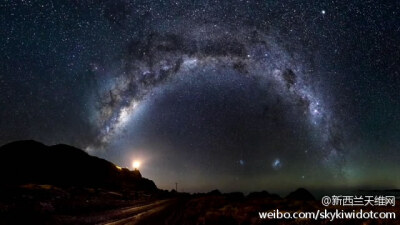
234,95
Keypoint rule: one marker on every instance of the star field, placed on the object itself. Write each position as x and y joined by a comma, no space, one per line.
235,95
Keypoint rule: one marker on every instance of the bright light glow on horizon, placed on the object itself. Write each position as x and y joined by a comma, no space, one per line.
136,164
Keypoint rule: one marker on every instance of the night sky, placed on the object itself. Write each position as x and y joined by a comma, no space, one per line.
234,95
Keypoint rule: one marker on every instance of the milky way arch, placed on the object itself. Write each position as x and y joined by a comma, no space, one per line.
156,58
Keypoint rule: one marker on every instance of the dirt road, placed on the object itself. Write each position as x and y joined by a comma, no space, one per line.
166,212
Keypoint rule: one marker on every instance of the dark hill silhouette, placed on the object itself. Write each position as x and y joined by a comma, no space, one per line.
236,196
263,194
215,192
25,162
301,194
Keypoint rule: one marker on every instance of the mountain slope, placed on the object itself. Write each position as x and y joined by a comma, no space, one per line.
24,162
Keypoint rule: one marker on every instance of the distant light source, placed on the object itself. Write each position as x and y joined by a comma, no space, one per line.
136,164
118,167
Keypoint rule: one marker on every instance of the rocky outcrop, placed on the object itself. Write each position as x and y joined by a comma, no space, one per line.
25,162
